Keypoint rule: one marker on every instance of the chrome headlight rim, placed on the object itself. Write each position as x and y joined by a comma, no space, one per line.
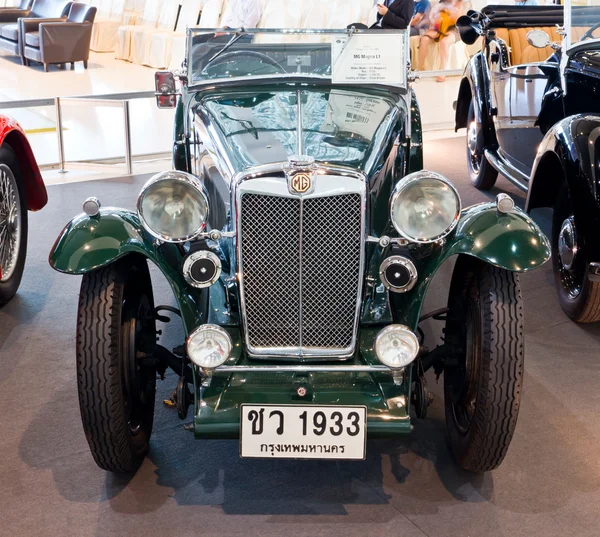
393,328
206,328
411,179
184,177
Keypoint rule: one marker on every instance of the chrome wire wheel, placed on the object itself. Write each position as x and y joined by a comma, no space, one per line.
572,273
10,222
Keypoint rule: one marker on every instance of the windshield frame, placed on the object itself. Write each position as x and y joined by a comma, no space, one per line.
291,77
570,46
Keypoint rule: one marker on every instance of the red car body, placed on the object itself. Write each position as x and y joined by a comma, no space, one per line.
12,134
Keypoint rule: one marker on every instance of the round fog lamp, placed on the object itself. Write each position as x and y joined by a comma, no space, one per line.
396,346
209,346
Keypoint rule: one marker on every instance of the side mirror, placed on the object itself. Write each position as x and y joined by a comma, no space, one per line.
166,89
538,39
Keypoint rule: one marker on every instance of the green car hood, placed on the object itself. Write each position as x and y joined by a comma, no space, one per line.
339,126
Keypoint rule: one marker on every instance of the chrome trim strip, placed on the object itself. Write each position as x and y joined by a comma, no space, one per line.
300,145
302,368
514,175
278,186
300,246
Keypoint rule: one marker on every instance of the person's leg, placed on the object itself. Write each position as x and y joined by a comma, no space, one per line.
426,39
445,43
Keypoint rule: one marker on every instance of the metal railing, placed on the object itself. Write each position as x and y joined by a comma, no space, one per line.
116,100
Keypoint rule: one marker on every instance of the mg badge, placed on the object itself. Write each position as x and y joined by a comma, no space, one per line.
301,182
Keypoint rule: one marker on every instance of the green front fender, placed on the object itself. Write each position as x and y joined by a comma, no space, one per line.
511,241
89,243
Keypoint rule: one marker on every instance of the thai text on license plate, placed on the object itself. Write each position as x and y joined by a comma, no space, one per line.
303,431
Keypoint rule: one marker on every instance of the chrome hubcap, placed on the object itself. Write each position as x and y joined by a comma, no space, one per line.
472,135
567,243
10,223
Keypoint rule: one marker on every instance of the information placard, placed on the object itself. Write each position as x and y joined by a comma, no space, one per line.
374,58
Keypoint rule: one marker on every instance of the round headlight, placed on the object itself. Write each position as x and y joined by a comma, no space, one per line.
396,346
209,346
425,207
173,206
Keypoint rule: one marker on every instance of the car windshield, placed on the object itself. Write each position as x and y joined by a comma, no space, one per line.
585,20
363,57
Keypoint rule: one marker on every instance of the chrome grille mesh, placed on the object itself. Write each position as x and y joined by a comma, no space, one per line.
271,269
285,241
330,267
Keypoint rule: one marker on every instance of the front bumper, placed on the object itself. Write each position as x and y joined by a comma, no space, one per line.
362,381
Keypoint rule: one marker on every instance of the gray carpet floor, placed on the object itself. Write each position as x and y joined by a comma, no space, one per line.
548,485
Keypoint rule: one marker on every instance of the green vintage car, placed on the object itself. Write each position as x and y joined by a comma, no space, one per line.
299,235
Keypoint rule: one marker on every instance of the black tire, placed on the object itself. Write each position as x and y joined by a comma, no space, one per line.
116,389
482,389
482,174
578,296
10,165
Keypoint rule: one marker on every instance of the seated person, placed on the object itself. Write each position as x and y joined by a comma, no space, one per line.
442,30
420,17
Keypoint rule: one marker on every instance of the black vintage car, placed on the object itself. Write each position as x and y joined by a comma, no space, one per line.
530,101
299,234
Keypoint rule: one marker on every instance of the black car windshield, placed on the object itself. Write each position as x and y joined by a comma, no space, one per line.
343,56
584,20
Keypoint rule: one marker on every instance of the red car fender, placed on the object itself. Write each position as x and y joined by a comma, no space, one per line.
12,134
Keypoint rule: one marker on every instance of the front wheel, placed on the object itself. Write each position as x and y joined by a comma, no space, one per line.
577,295
115,328
482,174
483,382
13,225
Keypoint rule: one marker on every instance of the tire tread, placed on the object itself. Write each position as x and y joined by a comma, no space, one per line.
98,370
500,375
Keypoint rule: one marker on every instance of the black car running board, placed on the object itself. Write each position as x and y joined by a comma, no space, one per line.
516,177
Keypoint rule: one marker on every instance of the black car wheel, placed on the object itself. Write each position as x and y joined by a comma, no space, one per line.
482,174
483,381
578,296
13,225
115,327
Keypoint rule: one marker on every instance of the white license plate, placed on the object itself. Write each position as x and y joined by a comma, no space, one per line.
303,432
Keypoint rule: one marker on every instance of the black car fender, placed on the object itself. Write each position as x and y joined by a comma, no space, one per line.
570,152
475,84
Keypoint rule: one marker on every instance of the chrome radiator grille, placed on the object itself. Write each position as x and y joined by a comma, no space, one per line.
300,261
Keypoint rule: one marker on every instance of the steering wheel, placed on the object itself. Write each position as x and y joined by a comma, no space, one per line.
590,32
233,58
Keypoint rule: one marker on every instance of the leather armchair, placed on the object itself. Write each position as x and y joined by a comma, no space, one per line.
12,14
58,41
11,36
